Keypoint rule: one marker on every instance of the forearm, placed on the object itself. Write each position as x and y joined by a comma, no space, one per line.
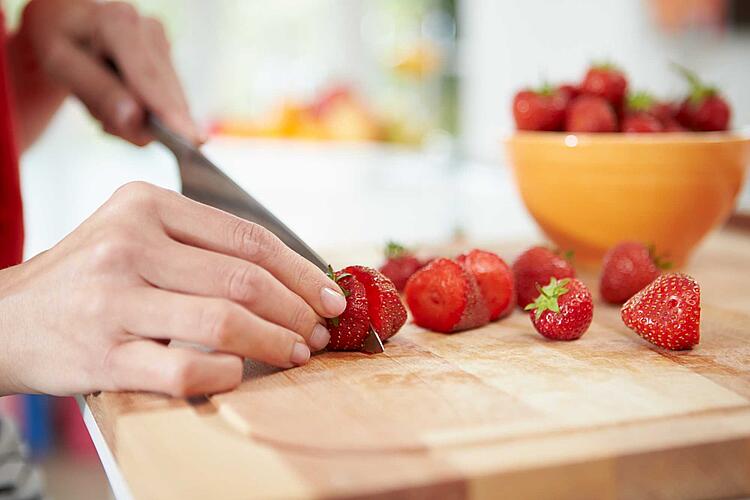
36,97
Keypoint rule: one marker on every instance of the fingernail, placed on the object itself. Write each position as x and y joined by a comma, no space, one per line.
300,354
125,112
333,301
319,338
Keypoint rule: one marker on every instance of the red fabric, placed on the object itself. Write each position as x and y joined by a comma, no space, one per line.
11,210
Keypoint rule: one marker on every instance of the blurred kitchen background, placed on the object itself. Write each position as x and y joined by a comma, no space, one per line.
362,120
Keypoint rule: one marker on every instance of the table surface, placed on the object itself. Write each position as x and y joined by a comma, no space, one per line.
683,415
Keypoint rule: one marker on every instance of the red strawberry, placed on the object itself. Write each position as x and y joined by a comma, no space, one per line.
444,297
640,123
607,81
569,90
563,310
589,113
627,268
704,109
387,313
350,329
399,265
534,268
495,280
539,110
667,312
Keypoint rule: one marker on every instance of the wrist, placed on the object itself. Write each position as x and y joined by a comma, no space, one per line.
11,321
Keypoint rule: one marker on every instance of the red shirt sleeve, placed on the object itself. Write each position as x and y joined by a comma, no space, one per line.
11,209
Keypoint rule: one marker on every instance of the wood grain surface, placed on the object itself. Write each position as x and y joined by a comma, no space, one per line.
494,412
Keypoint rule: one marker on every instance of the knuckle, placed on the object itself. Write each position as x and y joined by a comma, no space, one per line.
253,240
120,12
116,247
302,319
216,323
137,195
245,284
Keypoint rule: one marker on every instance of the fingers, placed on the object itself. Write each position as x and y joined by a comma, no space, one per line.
144,365
209,228
140,49
101,92
212,322
192,270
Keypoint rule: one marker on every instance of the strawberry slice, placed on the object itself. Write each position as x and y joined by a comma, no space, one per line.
350,329
387,312
495,280
667,312
444,297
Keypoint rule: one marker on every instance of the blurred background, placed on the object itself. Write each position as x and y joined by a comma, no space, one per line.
361,120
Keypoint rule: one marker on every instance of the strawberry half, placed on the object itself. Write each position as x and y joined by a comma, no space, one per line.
385,309
627,268
534,268
350,329
444,297
563,310
667,312
495,280
399,264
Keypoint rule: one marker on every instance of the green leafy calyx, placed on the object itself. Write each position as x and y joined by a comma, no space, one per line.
640,101
394,250
660,261
699,91
548,295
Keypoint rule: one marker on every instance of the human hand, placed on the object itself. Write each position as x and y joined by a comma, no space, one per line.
72,39
95,311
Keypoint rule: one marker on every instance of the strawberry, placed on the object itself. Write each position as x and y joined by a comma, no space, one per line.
399,264
589,113
569,90
563,309
627,268
444,297
640,114
704,109
667,312
385,309
534,268
608,82
350,329
495,280
542,109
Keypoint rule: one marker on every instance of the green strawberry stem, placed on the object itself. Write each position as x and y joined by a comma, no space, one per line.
548,295
640,101
659,261
394,250
699,91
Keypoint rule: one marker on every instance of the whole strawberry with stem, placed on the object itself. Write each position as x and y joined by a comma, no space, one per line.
534,268
350,329
704,109
608,81
627,268
592,114
639,114
400,264
563,310
667,312
542,109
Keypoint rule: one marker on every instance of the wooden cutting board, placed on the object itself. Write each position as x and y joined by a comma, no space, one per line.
494,412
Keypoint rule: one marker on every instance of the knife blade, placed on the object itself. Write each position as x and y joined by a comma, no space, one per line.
204,182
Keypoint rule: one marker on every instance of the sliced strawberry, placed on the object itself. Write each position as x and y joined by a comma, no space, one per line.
495,280
563,310
350,329
444,297
387,312
534,268
667,312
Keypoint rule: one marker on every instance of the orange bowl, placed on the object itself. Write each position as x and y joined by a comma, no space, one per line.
591,191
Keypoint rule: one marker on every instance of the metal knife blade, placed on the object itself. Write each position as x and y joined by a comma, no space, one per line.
206,183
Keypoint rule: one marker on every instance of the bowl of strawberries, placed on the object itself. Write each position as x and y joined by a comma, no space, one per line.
596,164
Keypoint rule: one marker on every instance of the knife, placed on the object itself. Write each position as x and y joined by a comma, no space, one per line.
206,183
